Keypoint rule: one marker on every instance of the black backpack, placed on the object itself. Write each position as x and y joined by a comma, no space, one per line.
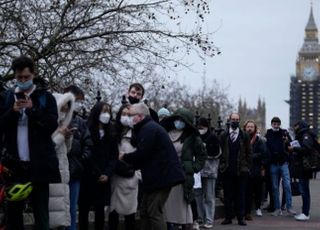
311,162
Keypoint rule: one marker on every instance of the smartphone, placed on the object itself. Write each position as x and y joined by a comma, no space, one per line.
20,96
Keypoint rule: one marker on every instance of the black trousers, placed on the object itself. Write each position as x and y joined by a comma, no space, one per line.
254,193
129,221
40,204
234,188
84,208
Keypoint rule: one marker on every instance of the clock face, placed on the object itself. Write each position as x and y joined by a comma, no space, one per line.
309,73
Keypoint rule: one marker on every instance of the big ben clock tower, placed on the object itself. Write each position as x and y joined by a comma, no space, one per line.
305,85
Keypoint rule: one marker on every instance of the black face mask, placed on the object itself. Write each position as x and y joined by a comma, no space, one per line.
234,125
133,100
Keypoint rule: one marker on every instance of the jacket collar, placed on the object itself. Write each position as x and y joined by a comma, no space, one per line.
138,126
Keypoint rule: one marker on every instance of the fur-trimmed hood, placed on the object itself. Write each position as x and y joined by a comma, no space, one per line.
63,99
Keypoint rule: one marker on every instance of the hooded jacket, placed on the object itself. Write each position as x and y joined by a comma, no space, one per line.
194,153
59,195
300,157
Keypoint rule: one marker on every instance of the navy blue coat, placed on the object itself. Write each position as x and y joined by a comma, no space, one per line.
155,156
43,121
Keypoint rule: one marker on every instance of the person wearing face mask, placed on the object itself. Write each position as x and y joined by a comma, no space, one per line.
192,154
125,180
135,95
59,197
28,118
277,143
95,184
257,169
234,167
80,152
205,198
160,168
303,165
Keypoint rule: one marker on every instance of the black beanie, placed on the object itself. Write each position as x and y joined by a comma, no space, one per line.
276,119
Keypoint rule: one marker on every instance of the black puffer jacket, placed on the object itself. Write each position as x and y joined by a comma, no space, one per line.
277,147
81,147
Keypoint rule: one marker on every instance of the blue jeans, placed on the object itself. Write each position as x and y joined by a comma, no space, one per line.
277,172
305,194
206,200
74,197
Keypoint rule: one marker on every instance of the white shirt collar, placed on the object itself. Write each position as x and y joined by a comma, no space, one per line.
234,131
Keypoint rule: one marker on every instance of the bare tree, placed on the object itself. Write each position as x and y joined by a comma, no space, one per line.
87,40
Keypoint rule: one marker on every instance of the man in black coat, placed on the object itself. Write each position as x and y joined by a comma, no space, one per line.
28,117
277,143
234,168
159,164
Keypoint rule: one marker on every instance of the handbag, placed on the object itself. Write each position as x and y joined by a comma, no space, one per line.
295,188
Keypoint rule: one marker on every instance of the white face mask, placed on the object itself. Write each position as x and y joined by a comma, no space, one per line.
275,129
78,106
124,120
104,118
203,131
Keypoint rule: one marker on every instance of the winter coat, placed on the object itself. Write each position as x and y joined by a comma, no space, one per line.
124,191
244,156
194,153
210,169
59,195
155,156
42,122
81,148
306,140
277,147
258,157
102,162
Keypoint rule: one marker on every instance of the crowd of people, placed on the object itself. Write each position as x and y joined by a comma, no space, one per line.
165,164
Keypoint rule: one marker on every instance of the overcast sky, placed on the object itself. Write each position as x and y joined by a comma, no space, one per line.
259,41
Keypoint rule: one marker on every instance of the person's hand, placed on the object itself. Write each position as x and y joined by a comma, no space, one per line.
28,104
18,105
67,133
263,173
103,178
121,156
290,148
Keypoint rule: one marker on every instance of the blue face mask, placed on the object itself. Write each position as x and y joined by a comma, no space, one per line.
179,124
24,86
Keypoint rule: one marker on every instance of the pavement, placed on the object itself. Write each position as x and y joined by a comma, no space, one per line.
267,222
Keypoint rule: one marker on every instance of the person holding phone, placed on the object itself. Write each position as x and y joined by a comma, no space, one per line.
28,118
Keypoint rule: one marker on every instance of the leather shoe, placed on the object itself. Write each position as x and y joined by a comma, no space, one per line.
242,223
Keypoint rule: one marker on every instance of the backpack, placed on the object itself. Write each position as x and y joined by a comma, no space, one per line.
311,162
9,99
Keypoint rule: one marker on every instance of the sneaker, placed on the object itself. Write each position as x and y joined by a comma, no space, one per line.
277,212
258,212
302,217
196,225
207,226
290,211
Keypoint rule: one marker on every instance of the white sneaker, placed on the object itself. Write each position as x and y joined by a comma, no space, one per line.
290,211
302,217
277,212
258,212
207,226
196,225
